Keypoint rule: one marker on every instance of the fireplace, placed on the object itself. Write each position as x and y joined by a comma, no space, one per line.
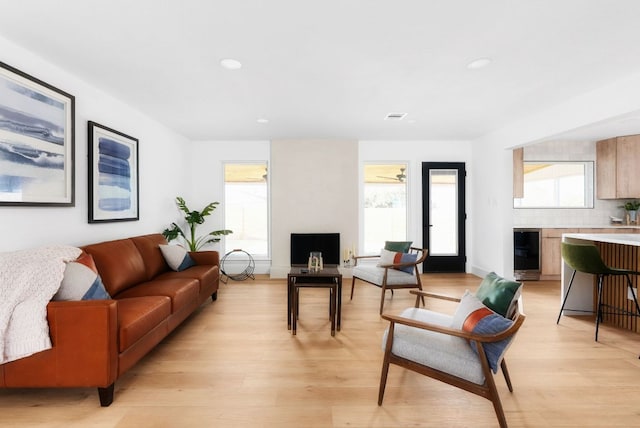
304,243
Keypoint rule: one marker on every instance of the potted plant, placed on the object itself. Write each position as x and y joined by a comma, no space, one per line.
631,207
193,219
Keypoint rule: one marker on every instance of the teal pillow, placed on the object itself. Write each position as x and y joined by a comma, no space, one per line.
398,246
499,294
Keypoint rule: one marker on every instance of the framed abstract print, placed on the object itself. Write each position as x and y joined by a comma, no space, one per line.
113,175
37,141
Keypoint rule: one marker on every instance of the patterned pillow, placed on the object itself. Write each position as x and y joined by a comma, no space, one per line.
391,257
81,281
177,257
472,316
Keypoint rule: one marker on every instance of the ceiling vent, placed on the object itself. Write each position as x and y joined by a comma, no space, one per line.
395,116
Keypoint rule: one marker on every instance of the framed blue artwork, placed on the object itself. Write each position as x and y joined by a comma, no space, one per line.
113,175
37,141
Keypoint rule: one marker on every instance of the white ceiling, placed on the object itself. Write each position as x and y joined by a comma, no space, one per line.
334,68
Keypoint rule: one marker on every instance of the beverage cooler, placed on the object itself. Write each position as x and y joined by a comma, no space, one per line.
526,254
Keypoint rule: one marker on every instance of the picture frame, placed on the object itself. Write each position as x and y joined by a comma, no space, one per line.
37,142
114,185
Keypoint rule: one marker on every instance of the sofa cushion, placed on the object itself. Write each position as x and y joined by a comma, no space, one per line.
119,263
206,275
499,294
81,281
183,292
374,275
442,352
176,257
148,245
137,316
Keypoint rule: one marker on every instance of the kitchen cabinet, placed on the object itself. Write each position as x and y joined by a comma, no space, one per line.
518,173
616,162
550,256
550,248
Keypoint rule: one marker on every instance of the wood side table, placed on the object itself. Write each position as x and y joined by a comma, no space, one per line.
301,277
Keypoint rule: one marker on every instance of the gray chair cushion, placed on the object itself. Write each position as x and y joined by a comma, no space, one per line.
374,275
449,354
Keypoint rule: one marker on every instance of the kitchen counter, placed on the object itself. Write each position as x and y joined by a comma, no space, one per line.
611,238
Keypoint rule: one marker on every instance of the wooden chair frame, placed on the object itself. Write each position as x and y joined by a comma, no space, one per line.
422,255
487,390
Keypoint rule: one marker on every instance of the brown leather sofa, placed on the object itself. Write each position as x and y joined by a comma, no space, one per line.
96,341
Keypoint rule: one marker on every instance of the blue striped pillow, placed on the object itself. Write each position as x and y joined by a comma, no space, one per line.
81,281
177,257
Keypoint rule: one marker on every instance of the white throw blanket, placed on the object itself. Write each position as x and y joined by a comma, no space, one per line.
28,281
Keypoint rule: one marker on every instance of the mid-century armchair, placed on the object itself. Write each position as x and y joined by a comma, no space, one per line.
394,270
461,350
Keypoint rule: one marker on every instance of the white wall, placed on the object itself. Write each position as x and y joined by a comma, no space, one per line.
162,167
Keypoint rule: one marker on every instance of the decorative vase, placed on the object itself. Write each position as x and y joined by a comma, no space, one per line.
633,215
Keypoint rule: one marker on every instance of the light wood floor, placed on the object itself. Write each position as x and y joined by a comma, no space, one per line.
234,364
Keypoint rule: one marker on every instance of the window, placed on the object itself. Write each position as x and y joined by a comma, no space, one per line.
385,205
246,205
557,185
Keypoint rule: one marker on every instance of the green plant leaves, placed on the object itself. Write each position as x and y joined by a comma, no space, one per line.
193,219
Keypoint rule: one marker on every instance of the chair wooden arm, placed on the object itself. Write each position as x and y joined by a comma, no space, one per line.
482,338
421,293
356,258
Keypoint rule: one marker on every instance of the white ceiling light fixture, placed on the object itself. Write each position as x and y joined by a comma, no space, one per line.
479,63
262,120
231,64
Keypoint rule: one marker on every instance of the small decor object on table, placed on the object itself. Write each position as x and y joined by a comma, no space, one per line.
113,175
315,261
37,141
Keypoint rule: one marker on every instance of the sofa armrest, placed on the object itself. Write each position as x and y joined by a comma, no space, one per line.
84,353
206,257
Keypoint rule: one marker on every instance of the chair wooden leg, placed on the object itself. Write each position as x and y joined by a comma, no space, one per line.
495,399
384,290
385,364
353,281
505,372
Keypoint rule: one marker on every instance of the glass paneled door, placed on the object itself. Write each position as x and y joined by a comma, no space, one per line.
443,216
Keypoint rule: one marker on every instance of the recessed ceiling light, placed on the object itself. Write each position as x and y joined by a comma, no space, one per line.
231,64
478,63
395,116
262,120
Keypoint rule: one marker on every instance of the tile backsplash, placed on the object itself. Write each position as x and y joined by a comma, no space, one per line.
597,216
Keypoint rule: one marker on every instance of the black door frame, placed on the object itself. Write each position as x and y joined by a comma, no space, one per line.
445,263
